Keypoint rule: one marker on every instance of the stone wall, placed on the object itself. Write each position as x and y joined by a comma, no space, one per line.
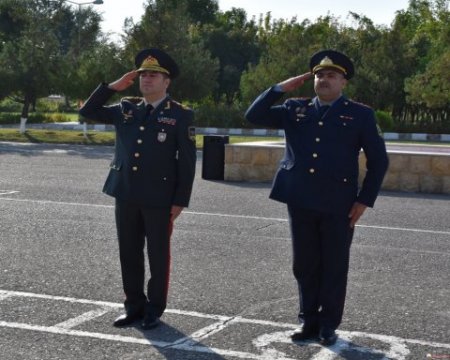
412,172
408,171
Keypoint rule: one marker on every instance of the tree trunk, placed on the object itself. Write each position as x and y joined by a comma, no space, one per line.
24,115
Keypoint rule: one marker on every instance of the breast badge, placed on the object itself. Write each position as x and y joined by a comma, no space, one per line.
300,111
162,136
127,115
166,120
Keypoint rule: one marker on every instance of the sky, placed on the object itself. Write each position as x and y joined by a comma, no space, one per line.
381,12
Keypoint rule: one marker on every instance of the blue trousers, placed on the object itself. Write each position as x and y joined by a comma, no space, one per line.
321,251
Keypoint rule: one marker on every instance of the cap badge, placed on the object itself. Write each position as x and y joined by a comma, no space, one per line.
149,61
326,61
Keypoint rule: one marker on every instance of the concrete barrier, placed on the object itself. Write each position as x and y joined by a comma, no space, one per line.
409,171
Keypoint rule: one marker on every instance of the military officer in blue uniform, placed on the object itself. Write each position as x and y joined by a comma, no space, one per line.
318,180
151,177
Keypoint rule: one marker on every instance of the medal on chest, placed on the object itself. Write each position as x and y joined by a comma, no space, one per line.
162,136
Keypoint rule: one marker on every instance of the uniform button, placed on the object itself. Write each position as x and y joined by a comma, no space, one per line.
137,155
142,128
312,171
139,141
320,123
315,155
345,179
135,168
164,178
317,139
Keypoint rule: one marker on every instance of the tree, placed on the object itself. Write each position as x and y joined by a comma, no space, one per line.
29,57
233,41
428,91
423,33
432,87
167,25
288,46
202,11
35,52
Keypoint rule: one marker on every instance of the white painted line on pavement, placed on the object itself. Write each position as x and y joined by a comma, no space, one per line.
4,296
128,339
264,343
229,216
8,192
87,316
57,202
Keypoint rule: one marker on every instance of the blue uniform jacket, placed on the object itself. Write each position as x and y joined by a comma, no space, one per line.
155,155
320,167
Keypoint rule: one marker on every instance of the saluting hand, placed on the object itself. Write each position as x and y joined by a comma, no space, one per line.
356,212
124,82
295,82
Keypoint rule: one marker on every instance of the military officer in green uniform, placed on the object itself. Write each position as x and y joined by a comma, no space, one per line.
151,177
318,180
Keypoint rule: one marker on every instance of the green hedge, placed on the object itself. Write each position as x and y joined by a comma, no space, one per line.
209,114
385,120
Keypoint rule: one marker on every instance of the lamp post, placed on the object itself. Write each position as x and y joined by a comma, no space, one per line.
80,4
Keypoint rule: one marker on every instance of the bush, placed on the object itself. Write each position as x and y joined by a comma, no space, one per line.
56,118
53,105
385,120
221,115
7,118
9,105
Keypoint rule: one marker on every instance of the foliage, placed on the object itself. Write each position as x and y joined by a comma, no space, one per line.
167,25
208,113
384,120
39,53
234,42
226,59
7,118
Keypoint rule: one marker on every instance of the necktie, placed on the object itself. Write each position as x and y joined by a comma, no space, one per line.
148,109
323,109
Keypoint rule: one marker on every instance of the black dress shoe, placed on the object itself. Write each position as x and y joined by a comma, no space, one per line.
306,333
127,319
150,321
327,337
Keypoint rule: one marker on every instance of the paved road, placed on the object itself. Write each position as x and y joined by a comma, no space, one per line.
232,294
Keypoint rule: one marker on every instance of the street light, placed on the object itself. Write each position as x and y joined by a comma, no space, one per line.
80,4
96,2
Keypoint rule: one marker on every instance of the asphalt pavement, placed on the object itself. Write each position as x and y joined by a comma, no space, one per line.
232,293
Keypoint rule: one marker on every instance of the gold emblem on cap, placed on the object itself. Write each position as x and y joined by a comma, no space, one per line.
150,63
326,61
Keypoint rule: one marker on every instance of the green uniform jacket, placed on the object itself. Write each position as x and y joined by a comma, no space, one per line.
155,154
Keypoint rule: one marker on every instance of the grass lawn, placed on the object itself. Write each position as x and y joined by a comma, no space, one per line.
107,138
93,137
